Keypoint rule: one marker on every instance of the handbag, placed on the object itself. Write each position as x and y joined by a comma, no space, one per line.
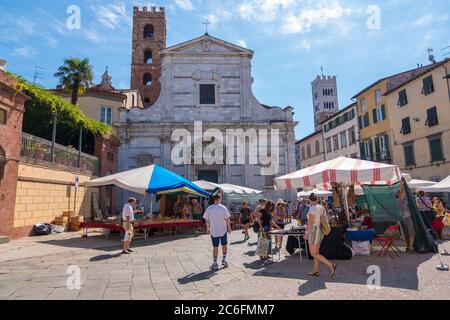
263,247
325,224
446,220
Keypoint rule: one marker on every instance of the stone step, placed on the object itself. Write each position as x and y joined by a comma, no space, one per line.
4,239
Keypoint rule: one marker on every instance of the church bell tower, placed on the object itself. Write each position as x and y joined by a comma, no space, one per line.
149,38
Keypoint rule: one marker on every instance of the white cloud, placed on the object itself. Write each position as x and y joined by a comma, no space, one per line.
25,26
241,43
293,16
427,19
112,15
94,36
52,42
25,51
185,5
307,18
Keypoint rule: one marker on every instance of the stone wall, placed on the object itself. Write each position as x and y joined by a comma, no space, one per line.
43,193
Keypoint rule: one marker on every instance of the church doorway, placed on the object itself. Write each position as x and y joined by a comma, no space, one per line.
209,175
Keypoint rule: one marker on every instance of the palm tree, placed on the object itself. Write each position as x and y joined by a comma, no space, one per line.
75,74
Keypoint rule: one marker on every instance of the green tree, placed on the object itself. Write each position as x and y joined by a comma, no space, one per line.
75,75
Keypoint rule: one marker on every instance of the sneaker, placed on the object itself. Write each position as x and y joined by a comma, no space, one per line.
225,263
125,252
214,266
129,250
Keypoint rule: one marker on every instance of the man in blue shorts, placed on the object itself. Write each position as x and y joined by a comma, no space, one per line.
218,225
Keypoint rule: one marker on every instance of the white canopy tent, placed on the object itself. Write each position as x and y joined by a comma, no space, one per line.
443,186
226,187
343,171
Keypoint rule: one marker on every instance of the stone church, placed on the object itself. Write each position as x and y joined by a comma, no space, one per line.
205,80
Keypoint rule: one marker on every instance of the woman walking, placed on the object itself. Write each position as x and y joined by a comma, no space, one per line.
279,215
266,224
244,219
314,236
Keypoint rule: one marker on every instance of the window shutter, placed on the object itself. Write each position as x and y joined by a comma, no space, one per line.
383,112
377,149
386,144
362,150
375,117
366,120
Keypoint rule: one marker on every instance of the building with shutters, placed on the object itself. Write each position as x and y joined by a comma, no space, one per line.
340,134
374,114
311,149
420,121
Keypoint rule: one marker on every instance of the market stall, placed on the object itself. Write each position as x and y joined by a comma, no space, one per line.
443,186
150,180
233,194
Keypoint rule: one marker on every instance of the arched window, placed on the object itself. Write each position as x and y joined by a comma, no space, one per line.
148,57
147,80
317,147
303,152
308,151
148,31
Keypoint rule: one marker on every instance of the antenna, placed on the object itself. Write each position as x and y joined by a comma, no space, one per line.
321,68
431,55
447,53
37,74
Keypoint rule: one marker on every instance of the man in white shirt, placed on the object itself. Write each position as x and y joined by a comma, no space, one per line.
127,218
218,224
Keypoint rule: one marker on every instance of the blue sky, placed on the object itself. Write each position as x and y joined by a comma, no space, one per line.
292,39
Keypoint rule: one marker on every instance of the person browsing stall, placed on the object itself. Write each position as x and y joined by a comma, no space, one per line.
217,219
315,236
128,218
407,222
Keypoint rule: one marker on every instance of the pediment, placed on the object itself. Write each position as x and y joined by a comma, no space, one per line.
207,44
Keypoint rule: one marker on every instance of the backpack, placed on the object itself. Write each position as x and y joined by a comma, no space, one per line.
325,224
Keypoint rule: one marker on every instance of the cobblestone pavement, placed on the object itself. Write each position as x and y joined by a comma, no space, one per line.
177,268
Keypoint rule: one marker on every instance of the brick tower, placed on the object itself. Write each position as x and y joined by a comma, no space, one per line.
149,38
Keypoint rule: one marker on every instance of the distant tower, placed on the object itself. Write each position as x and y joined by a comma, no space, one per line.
325,99
149,38
106,83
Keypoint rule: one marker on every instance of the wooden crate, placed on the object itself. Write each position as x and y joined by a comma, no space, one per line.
75,223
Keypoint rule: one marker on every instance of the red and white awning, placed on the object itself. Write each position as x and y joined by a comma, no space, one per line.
339,170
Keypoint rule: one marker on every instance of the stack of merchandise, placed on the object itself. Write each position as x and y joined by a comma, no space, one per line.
75,223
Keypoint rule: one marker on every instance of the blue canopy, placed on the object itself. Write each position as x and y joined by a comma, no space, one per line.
152,179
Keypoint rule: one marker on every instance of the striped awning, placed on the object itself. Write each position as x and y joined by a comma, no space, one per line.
339,170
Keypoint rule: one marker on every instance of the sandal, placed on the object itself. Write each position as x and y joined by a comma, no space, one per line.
314,274
334,270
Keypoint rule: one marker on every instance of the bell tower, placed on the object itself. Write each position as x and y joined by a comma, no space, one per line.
149,38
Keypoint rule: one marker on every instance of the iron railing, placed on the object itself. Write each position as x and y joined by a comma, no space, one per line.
40,150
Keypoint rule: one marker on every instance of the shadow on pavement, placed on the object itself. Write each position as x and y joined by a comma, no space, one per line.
99,242
395,273
197,276
311,286
105,257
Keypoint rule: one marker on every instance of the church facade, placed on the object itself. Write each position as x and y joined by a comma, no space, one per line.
206,91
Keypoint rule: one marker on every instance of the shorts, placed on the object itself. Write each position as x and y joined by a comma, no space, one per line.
245,221
128,236
216,241
408,227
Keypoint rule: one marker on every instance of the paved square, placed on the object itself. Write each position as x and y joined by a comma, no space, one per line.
178,268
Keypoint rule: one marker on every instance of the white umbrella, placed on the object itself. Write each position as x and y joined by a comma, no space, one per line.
226,187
